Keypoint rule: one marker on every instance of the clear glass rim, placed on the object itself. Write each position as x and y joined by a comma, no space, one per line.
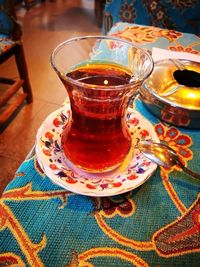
92,86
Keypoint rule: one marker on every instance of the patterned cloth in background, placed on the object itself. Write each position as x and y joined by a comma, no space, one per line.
179,15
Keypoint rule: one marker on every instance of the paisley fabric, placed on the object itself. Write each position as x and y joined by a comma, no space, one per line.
5,43
157,224
182,15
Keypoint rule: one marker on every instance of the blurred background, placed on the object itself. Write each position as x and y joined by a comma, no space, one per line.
44,25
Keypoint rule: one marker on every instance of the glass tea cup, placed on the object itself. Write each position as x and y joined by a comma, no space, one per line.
100,75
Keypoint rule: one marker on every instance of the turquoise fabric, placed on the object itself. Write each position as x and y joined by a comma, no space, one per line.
6,20
182,16
150,36
157,224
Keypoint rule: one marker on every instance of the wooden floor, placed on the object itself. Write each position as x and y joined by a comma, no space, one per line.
44,26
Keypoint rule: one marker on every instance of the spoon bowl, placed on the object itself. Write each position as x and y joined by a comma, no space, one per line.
163,155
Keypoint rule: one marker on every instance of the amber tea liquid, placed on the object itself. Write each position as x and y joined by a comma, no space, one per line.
97,139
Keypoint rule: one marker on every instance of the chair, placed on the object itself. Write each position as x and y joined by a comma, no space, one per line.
11,46
99,7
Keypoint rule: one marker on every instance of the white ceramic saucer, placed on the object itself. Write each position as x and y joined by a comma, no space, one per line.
135,170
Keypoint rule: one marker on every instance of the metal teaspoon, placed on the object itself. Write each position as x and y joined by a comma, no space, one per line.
163,155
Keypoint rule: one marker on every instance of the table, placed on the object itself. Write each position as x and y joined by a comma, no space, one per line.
157,224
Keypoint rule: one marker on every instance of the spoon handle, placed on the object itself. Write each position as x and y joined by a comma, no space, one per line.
178,64
190,172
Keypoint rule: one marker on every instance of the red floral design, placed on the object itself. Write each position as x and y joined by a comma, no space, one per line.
127,13
48,135
61,119
177,141
180,48
144,134
112,206
175,116
46,152
171,35
141,34
134,121
138,34
158,15
53,166
153,5
132,177
114,44
196,216
90,186
56,122
11,259
69,180
184,3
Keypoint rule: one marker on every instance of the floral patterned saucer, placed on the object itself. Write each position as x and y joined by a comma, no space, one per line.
135,170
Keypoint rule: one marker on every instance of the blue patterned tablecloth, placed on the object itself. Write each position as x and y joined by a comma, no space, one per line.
157,224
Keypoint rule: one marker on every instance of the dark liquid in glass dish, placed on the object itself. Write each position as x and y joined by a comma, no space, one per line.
96,139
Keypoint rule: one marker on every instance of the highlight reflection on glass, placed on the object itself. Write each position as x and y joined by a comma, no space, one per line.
99,81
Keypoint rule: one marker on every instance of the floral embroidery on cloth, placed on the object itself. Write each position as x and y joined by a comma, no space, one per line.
172,137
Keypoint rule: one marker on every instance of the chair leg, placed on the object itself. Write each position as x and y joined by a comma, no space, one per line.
23,72
99,7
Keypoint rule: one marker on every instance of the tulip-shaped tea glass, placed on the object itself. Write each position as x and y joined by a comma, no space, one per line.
100,75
